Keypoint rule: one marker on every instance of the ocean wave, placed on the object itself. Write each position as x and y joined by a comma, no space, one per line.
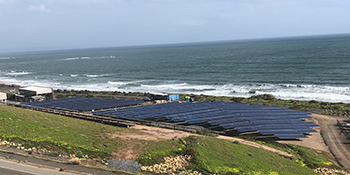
73,75
293,91
73,58
95,76
116,83
15,73
103,57
88,58
7,58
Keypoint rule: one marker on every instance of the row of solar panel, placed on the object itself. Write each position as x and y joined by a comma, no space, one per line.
82,104
243,117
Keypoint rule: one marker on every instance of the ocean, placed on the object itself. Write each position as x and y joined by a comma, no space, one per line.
298,68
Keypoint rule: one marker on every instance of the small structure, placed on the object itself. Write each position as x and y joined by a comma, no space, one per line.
3,97
158,96
173,97
189,98
161,96
30,94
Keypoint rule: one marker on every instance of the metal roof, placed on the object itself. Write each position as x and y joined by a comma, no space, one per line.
38,90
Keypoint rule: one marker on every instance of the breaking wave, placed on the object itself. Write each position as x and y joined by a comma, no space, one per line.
15,73
281,91
88,58
95,76
7,58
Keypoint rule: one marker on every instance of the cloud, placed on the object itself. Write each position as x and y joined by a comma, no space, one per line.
39,8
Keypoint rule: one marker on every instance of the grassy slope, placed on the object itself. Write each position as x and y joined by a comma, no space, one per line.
215,156
223,157
54,130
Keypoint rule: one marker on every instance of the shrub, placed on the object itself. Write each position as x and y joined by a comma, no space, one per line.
191,151
264,97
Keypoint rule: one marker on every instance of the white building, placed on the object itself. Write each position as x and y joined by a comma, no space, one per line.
3,97
29,94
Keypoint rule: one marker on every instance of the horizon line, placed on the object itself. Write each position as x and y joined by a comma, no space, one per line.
179,43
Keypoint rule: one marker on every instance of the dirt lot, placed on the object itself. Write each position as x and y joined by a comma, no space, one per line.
328,139
337,143
315,140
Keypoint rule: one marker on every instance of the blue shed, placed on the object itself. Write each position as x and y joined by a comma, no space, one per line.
173,97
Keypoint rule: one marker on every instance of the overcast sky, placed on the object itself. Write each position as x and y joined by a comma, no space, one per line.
27,25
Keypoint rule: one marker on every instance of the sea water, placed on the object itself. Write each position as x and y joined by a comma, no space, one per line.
299,68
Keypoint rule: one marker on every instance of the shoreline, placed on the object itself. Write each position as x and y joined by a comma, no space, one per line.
312,106
193,94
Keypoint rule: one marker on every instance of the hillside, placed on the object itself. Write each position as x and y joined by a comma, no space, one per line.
63,135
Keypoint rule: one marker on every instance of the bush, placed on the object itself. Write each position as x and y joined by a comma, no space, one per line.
206,132
10,97
268,97
191,151
151,160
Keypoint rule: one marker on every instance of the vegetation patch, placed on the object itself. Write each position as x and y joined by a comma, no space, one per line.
64,135
215,156
60,134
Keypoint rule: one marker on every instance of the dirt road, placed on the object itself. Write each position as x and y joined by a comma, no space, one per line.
337,143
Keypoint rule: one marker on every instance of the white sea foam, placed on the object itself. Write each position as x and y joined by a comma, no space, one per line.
7,58
104,57
117,83
15,73
94,76
73,58
295,92
88,58
73,75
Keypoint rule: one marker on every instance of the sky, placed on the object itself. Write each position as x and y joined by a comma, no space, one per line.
33,25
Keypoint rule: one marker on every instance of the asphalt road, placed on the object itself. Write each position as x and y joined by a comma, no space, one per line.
55,166
4,171
12,168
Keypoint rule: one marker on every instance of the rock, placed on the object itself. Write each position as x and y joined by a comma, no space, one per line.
62,169
124,165
170,165
327,171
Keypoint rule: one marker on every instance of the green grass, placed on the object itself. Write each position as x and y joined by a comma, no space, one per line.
216,156
51,131
69,135
221,156
312,158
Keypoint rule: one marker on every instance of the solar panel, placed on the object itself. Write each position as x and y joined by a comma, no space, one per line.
290,136
283,123
82,104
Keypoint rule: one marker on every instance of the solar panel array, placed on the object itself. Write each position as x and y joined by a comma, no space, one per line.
82,104
267,120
